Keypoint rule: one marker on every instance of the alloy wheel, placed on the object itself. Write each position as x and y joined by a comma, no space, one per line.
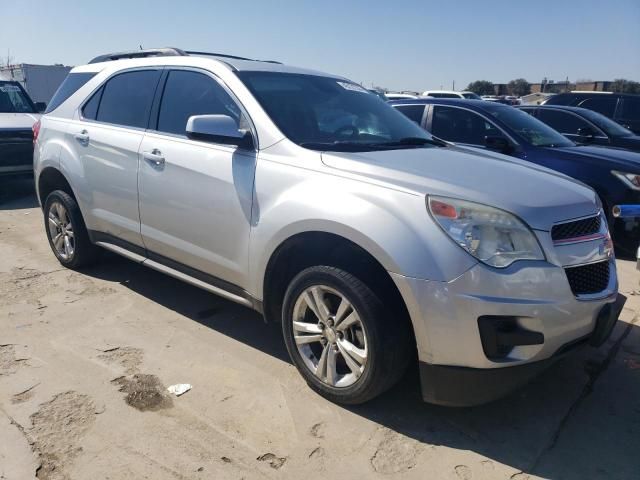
61,231
330,336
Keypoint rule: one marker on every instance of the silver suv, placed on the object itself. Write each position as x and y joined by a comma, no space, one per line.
307,198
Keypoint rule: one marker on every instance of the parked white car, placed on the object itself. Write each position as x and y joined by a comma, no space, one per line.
18,114
450,94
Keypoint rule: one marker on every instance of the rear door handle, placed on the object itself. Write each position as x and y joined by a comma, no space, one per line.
82,138
154,157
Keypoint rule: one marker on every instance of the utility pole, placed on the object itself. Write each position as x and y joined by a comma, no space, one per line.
453,85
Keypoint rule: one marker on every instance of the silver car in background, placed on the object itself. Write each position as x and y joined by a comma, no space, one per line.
307,198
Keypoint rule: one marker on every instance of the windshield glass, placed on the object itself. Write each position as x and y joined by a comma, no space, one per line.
329,114
471,96
609,126
13,99
530,129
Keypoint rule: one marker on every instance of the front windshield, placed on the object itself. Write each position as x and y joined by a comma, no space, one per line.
529,128
13,99
471,96
330,114
609,126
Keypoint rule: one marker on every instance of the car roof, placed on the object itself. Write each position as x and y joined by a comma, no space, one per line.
174,56
591,94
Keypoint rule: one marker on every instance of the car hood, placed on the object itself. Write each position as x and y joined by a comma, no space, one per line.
617,157
539,196
18,120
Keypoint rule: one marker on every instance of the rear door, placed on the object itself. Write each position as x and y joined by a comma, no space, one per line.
107,138
196,196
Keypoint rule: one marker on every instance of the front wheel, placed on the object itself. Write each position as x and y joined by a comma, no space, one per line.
342,338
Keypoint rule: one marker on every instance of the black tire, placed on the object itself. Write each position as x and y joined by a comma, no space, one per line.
84,252
388,336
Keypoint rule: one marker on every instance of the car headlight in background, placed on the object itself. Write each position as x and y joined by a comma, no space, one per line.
491,235
631,180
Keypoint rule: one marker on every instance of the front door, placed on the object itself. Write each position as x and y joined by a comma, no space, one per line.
195,197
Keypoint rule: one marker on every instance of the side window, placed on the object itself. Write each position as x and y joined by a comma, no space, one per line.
69,86
603,104
563,122
90,109
630,109
189,93
413,112
458,125
126,98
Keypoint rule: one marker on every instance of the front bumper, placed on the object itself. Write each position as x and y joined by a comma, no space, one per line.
463,387
535,296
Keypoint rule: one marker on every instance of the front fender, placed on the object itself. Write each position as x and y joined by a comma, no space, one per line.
390,224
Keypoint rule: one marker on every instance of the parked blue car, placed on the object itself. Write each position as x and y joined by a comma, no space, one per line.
613,173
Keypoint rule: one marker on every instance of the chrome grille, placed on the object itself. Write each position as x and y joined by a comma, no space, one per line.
576,229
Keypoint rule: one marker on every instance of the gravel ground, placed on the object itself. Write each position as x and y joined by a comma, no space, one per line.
85,359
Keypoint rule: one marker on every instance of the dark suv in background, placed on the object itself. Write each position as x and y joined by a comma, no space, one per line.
624,108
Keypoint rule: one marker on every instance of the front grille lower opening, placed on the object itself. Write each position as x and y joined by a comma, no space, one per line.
588,279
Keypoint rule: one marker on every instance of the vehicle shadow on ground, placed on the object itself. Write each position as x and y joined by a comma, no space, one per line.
17,193
517,431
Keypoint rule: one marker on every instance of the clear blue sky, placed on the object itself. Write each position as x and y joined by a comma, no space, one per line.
399,44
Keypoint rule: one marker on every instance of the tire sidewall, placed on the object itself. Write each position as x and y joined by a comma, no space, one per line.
76,221
368,308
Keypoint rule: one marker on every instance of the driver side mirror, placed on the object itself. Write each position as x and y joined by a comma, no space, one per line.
586,134
497,144
40,106
218,129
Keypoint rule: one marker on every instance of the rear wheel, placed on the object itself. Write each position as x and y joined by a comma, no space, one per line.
343,340
66,231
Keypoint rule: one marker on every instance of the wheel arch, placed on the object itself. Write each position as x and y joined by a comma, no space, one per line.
310,248
50,179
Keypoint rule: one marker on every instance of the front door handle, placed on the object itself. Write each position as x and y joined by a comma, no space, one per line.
154,157
82,138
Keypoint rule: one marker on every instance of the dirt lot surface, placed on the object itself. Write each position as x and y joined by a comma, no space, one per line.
85,359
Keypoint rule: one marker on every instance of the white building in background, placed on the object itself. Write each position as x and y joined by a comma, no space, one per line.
40,81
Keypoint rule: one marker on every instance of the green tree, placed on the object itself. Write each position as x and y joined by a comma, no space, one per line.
622,85
481,87
519,87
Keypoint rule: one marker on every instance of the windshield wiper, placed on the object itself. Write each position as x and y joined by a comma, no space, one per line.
414,141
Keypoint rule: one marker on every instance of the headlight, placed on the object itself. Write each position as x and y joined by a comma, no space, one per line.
493,236
631,180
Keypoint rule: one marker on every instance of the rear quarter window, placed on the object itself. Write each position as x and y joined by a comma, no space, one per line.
69,86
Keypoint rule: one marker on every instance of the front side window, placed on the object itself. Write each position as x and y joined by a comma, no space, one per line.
126,98
460,126
604,104
188,93
530,129
330,114
612,128
413,112
563,122
13,99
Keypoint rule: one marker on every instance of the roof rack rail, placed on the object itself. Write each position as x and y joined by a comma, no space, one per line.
153,52
224,55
